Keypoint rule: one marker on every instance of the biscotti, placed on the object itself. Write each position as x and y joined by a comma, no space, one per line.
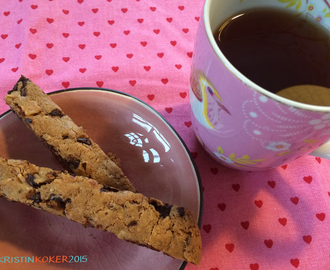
77,152
131,216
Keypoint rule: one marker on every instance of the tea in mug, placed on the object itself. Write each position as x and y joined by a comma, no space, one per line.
277,48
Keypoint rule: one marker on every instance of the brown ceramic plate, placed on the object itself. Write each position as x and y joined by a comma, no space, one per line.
152,155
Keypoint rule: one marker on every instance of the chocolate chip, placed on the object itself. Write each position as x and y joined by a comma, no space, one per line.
30,180
65,137
56,112
163,210
60,203
106,188
36,198
84,165
28,120
22,79
84,140
181,211
23,92
73,161
132,223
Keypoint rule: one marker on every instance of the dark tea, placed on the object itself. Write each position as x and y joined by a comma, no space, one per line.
276,48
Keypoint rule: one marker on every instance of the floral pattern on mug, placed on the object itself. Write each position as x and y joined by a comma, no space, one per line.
278,146
233,160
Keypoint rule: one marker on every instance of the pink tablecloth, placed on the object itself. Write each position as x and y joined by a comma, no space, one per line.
277,219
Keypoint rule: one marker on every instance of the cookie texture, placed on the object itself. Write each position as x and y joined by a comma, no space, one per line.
131,216
69,142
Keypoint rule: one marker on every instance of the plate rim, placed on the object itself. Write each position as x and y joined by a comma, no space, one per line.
101,89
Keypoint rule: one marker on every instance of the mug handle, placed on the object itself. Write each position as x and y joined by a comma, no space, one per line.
323,151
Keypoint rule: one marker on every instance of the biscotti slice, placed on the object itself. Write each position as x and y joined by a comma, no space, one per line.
77,152
131,216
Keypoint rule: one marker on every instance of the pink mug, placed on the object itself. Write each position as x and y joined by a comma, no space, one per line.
240,124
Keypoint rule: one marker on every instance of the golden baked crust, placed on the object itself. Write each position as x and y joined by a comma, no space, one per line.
131,216
69,143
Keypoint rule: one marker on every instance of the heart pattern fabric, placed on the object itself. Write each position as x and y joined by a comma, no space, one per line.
275,219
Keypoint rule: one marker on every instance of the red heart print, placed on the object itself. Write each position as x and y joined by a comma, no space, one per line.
65,84
194,154
214,170
272,184
230,247
2,59
82,70
65,11
126,32
49,45
283,221
152,8
111,22
34,6
254,266
185,30
50,20
156,31
197,19
95,10
245,224
294,200
113,45
308,179
140,20
188,123
222,206
19,21
49,72
320,216
236,187
169,19
181,7
132,82
258,203
168,109
99,83
143,43
284,166
214,268
164,80
66,59
80,1
6,13
160,55
33,31
14,69
96,34
98,57
129,55
115,69
190,54
269,243
295,262
18,45
82,46
173,42
318,160
81,23
66,35
207,228
307,239
183,94
329,194
178,66
151,96
32,56
124,10
147,68
4,36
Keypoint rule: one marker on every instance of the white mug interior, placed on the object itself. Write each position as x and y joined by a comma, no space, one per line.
216,12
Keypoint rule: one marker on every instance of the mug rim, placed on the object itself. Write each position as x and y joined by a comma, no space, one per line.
245,80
